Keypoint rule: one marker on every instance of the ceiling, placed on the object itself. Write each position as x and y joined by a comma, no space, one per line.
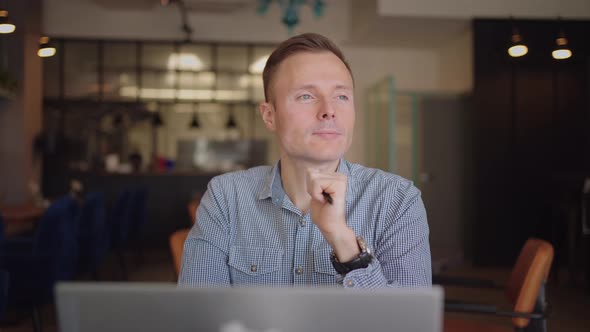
367,28
217,6
409,32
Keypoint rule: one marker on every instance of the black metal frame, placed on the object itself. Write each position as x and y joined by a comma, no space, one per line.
140,69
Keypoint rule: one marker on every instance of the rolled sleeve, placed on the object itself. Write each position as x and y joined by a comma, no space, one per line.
402,252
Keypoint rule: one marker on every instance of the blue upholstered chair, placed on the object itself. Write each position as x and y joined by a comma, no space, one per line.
93,235
51,255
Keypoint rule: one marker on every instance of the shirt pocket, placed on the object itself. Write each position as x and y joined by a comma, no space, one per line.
322,263
254,264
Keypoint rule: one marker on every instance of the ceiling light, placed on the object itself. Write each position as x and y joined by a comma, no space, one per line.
517,48
561,50
45,48
195,121
290,10
184,61
231,122
6,26
157,119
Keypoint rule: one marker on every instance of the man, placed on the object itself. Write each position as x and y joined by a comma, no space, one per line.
313,219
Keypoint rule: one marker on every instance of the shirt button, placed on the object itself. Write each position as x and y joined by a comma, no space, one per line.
349,282
253,268
299,270
302,222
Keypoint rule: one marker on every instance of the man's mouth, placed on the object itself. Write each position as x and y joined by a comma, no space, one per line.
327,133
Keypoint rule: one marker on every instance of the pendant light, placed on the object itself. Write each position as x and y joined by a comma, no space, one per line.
517,47
291,10
195,121
6,26
45,48
231,122
561,50
157,118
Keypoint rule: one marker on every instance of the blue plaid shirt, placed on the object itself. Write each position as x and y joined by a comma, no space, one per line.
248,232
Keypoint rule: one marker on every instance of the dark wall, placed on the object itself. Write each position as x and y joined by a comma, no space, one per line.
531,129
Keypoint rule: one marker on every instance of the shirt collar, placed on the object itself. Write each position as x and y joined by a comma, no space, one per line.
273,187
266,191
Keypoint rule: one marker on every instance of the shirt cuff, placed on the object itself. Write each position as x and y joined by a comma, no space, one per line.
369,277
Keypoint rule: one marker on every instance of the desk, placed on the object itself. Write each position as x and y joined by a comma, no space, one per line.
20,218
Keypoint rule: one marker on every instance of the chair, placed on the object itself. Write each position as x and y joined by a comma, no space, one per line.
93,236
525,290
1,228
4,282
120,220
177,238
192,207
57,235
138,218
177,246
51,255
585,226
128,218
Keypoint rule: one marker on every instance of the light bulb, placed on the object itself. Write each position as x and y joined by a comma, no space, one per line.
518,50
561,54
5,25
46,52
7,28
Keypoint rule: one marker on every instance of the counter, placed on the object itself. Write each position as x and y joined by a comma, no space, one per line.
168,196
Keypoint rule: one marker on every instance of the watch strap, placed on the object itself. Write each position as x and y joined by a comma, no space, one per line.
361,261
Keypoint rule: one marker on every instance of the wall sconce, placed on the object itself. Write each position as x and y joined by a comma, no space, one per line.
561,50
517,48
45,48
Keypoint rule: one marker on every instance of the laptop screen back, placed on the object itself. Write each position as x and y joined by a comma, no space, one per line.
94,307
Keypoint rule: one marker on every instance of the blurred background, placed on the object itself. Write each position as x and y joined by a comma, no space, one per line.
129,108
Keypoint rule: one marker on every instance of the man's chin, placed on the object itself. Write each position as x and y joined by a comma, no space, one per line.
322,158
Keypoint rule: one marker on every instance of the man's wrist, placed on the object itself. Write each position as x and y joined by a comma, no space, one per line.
344,245
361,261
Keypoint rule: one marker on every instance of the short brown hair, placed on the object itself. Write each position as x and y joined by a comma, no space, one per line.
307,42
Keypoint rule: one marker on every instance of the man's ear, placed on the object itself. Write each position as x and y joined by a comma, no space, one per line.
267,113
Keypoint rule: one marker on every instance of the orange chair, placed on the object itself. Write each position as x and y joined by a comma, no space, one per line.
176,247
192,208
525,291
177,238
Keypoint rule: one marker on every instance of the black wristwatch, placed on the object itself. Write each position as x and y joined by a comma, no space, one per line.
361,261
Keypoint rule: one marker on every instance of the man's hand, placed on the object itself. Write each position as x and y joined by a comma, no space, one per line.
331,218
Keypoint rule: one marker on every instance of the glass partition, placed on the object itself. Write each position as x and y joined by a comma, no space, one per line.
120,71
81,70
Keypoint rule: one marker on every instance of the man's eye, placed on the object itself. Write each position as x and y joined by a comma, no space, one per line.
343,97
304,97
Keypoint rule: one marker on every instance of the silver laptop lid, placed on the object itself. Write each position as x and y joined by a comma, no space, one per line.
90,307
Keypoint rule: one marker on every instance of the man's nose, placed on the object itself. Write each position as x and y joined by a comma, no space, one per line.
326,111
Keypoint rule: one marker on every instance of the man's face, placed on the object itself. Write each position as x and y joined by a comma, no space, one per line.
311,109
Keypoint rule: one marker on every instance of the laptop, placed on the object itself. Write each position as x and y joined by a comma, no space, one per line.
99,307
